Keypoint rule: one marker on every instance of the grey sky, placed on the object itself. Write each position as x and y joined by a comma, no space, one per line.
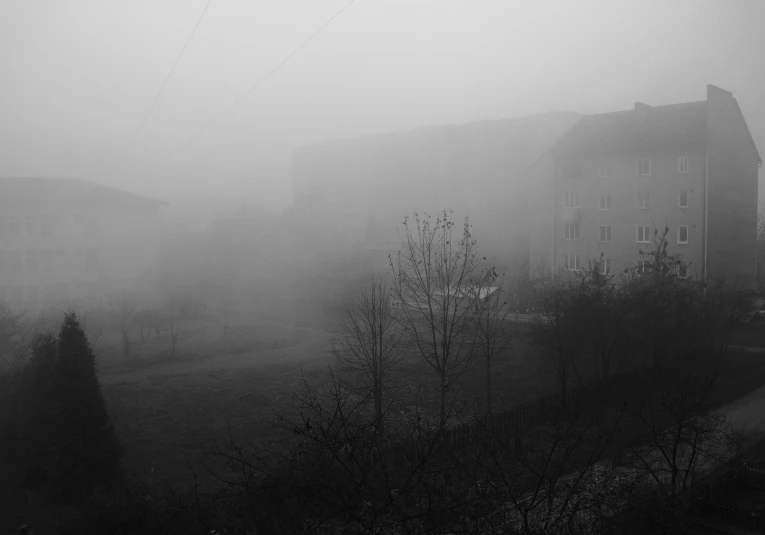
77,76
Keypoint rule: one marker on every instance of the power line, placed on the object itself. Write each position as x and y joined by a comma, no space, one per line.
259,82
169,75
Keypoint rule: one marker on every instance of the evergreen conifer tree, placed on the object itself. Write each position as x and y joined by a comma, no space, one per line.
84,448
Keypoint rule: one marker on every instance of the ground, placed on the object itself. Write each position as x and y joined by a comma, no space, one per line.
165,410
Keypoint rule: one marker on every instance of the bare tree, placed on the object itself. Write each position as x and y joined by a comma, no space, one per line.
124,310
683,435
369,342
434,280
176,316
226,311
491,323
17,333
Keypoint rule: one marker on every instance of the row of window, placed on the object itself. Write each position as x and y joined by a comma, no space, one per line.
16,262
643,167
642,233
573,262
45,226
571,199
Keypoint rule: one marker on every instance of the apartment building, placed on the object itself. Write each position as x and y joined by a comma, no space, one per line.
614,180
66,240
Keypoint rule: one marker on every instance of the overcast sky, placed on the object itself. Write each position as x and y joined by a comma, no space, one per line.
78,76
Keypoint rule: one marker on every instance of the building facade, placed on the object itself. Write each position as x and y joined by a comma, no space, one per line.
67,241
356,193
614,181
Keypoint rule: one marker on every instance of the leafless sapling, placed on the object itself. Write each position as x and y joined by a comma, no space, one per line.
435,274
369,342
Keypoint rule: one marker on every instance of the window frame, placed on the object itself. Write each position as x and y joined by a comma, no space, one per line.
577,235
604,170
683,160
650,166
646,198
577,262
606,197
683,265
605,265
604,229
687,236
569,197
680,196
646,235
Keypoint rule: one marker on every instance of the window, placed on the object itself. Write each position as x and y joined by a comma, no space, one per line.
32,261
644,166
682,234
603,170
682,164
641,266
682,199
572,262
644,200
571,232
32,226
14,226
604,234
605,265
47,226
643,234
682,270
571,199
605,201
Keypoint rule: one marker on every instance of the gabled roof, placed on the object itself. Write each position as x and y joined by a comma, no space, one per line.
647,126
43,189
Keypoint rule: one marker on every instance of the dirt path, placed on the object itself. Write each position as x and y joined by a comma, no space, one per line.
309,348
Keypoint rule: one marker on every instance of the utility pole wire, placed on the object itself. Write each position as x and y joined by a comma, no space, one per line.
169,75
259,82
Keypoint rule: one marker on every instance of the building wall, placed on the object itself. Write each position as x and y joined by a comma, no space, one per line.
732,211
56,253
624,185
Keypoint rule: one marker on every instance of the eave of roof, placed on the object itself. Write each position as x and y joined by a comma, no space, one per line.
73,186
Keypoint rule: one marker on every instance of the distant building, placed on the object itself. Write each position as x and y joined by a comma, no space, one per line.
613,180
354,194
65,240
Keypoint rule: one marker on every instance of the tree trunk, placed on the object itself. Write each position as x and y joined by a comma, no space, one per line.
488,386
444,387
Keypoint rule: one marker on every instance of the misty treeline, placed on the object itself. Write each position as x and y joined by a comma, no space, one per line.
636,356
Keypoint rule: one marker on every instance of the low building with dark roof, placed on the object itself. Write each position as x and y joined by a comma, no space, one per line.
613,180
68,240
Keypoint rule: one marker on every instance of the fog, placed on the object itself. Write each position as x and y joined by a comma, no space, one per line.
77,78
213,212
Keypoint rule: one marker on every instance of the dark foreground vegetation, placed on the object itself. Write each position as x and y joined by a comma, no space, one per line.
409,430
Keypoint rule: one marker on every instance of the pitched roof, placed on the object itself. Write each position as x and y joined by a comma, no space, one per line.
646,127
43,189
